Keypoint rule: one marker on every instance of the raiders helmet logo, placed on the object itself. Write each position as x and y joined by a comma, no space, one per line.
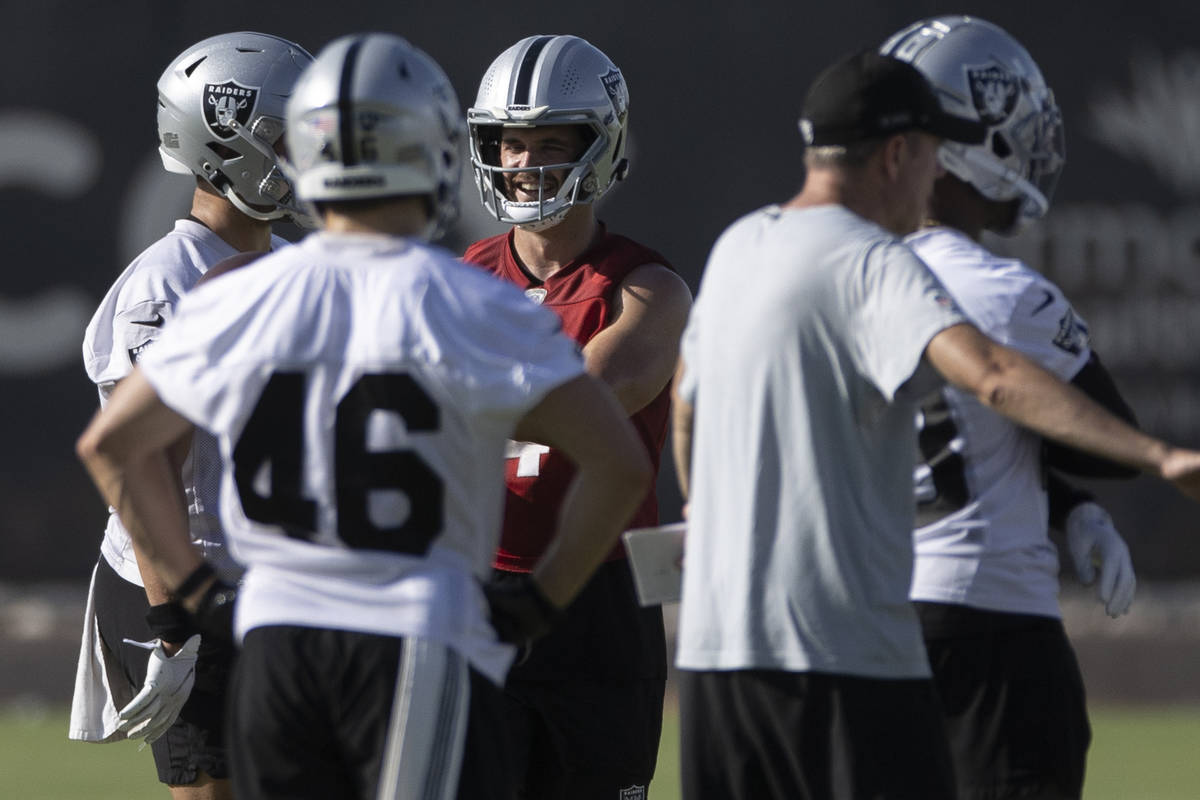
994,92
618,94
225,103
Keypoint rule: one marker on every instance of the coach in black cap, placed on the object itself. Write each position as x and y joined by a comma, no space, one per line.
867,96
802,670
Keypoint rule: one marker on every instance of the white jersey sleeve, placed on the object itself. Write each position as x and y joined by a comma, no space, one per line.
1007,300
142,299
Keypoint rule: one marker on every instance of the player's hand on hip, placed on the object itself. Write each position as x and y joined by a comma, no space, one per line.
169,680
520,611
1093,541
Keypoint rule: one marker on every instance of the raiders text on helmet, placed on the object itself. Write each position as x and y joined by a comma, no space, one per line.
220,116
550,80
376,117
980,70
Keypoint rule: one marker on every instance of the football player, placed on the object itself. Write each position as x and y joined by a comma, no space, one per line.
986,573
549,133
361,386
143,669
802,669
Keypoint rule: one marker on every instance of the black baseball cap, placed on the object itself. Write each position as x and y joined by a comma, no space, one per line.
868,95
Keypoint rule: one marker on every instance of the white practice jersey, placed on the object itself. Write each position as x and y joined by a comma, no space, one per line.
982,511
130,317
362,389
807,326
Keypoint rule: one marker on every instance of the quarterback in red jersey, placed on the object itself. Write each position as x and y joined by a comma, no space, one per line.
548,134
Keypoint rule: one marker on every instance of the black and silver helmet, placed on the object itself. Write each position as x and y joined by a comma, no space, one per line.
982,72
221,116
372,117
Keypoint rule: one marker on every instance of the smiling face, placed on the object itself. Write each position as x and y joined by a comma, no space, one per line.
542,146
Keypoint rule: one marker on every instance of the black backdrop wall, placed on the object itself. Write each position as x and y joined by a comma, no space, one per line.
715,96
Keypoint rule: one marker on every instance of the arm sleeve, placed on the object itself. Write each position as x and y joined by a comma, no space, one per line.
1096,382
1062,498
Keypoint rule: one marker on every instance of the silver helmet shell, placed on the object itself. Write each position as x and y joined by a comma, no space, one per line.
550,80
982,72
220,116
376,117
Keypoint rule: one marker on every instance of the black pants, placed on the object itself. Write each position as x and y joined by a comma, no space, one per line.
585,708
1014,701
773,735
324,714
196,742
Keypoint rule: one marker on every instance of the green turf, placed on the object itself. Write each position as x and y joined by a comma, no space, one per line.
1136,755
38,762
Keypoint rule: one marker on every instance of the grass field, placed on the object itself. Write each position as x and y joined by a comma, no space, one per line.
1136,755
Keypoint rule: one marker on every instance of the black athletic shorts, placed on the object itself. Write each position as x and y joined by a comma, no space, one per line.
324,714
1014,701
195,743
585,708
772,735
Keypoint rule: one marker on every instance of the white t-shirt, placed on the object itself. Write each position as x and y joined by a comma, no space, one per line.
130,317
361,389
807,325
982,511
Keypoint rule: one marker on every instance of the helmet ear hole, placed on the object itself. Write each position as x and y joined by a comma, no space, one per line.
223,152
1000,146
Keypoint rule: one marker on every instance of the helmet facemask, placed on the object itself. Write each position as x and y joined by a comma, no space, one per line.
1022,157
579,183
265,134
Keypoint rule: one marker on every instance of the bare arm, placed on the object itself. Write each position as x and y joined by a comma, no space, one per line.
127,451
1016,387
635,354
583,420
682,415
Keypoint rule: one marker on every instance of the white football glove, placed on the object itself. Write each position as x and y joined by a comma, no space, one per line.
169,681
1093,541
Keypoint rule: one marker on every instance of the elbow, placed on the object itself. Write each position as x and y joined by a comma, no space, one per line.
97,452
992,391
88,448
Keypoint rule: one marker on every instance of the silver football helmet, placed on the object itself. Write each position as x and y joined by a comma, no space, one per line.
220,116
980,71
376,117
550,80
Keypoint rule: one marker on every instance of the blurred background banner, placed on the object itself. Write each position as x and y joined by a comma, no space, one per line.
715,94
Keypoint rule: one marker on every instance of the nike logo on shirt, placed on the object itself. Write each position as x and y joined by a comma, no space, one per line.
1049,299
157,321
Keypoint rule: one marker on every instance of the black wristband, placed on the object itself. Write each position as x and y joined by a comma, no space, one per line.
170,622
193,581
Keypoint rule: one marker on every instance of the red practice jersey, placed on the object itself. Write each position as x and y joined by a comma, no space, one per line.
582,294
